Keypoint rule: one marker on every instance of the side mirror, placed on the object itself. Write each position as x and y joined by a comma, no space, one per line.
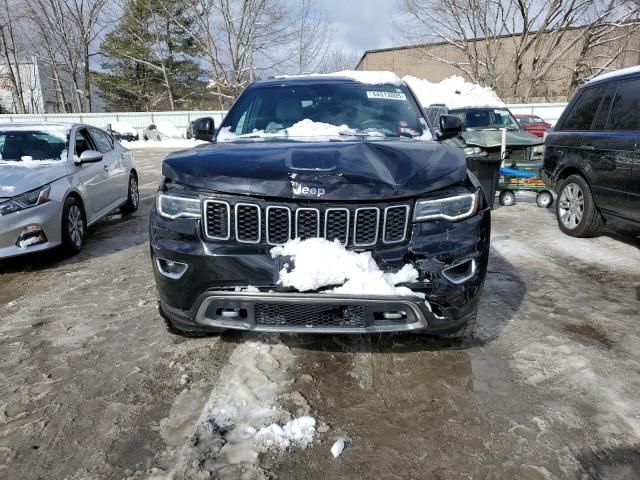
450,126
89,156
205,128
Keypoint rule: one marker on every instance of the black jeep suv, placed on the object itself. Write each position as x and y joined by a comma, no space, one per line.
592,155
320,156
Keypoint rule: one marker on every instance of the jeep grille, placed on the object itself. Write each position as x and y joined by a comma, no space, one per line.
355,226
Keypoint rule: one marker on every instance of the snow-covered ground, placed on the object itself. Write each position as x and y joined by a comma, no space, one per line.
92,385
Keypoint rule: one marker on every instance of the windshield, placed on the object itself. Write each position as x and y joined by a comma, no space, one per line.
486,118
323,110
26,145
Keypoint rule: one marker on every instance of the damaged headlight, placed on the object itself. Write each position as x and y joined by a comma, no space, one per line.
474,152
26,200
451,208
174,206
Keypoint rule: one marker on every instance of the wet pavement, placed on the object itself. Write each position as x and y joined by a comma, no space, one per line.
93,386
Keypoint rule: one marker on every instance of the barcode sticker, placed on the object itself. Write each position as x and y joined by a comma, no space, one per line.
386,95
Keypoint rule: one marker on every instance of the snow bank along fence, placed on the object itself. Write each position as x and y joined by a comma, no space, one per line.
140,120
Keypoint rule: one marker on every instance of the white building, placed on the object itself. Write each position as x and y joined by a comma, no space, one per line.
39,90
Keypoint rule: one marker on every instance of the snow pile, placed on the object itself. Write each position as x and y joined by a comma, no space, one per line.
251,410
454,92
123,128
168,130
370,77
173,143
7,189
29,162
305,129
320,263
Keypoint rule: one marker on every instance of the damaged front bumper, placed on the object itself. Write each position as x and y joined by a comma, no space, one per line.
201,283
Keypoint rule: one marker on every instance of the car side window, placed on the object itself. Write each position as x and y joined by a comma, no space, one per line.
602,116
82,141
584,110
101,140
625,108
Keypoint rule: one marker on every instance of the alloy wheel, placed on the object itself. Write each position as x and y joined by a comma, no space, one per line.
134,195
75,225
571,206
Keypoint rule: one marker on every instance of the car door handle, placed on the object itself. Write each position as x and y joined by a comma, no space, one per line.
588,147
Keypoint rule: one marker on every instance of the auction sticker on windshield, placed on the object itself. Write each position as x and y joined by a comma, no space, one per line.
386,95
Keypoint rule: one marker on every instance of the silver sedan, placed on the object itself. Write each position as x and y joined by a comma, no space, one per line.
55,181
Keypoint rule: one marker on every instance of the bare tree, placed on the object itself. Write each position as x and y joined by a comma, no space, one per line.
312,37
539,36
71,27
237,39
10,53
337,60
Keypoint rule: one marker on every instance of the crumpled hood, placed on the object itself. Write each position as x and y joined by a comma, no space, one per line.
493,138
331,170
17,179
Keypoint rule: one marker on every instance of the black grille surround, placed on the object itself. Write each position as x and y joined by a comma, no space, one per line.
355,225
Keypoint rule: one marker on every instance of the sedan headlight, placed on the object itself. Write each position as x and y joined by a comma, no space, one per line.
26,200
174,206
474,152
451,208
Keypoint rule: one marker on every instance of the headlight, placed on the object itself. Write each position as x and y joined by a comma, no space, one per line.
474,152
448,208
26,200
173,206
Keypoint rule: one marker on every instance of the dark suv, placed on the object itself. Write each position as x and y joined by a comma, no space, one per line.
328,157
592,156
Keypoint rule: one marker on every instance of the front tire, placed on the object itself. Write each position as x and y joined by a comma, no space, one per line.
133,196
544,199
74,226
576,211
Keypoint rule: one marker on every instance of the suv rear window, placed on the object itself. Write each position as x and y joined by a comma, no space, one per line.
581,116
625,111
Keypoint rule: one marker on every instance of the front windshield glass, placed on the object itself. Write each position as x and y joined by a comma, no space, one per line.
323,110
27,145
486,118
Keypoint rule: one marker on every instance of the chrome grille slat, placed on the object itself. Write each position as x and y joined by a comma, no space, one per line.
254,223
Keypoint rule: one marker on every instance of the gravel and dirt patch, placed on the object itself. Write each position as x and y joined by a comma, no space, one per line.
93,386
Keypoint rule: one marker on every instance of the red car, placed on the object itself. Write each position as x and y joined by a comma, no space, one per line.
533,124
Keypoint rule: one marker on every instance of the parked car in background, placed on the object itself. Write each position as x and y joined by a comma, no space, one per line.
482,133
591,156
122,131
202,129
533,124
55,181
161,131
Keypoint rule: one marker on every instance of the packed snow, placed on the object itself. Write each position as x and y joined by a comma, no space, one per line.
168,130
454,92
615,73
363,76
123,128
306,129
252,410
29,162
172,143
337,448
27,242
7,189
319,263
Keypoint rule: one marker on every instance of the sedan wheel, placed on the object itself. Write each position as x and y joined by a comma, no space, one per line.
75,224
571,206
133,196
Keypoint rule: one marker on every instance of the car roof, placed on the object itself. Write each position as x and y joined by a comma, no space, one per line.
313,80
622,74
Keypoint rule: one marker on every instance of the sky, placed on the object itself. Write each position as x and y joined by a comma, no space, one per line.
362,24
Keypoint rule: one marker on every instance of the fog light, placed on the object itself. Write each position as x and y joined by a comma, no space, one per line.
31,235
171,269
460,272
